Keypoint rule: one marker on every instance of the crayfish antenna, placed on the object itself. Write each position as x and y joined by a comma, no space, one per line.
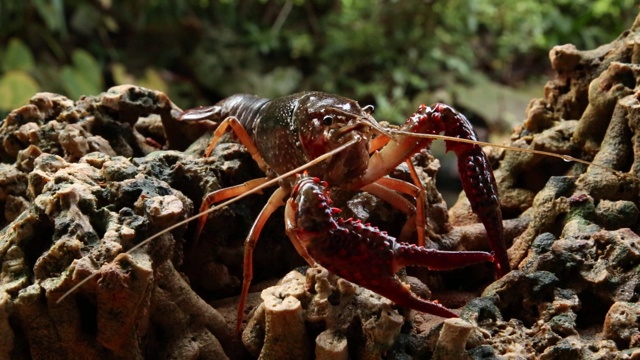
370,121
257,189
566,158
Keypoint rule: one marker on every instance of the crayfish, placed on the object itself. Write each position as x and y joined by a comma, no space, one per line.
341,145
299,130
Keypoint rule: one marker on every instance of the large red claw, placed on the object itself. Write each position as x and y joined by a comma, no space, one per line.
361,253
473,166
476,177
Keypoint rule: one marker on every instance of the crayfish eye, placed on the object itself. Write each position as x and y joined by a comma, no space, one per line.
327,120
368,109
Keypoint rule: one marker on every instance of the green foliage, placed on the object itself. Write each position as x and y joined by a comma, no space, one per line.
17,56
391,53
152,79
16,85
83,77
52,12
16,88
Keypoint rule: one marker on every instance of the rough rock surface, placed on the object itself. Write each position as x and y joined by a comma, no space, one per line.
74,200
576,283
81,182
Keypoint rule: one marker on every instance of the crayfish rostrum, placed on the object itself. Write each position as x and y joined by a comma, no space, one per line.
298,131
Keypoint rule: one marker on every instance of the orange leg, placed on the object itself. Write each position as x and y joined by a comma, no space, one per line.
242,136
420,202
416,191
378,143
386,187
224,194
275,201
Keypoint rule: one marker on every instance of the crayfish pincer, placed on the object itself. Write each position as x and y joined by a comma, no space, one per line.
337,141
360,252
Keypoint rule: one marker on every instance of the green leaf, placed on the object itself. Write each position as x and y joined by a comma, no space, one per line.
16,88
52,12
84,77
120,74
17,56
88,67
153,80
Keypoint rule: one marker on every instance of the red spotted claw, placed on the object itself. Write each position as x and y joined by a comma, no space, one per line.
361,253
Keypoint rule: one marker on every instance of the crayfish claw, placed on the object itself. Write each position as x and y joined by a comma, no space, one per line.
393,289
361,253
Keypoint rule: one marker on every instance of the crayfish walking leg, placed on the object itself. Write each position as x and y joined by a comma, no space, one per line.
361,253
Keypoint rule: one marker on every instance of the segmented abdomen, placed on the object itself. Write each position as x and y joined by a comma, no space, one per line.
246,108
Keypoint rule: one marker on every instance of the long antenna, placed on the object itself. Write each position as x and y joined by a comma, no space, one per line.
566,158
325,156
257,189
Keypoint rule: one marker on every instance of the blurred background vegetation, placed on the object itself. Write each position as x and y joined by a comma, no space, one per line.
488,58
480,55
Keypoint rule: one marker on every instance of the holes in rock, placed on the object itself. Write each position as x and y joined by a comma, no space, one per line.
100,222
39,242
536,180
355,335
88,315
627,78
20,342
334,298
593,310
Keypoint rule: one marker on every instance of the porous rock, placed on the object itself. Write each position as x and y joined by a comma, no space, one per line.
575,283
74,200
338,314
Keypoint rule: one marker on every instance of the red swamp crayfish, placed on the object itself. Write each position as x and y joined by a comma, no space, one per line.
288,132
339,144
